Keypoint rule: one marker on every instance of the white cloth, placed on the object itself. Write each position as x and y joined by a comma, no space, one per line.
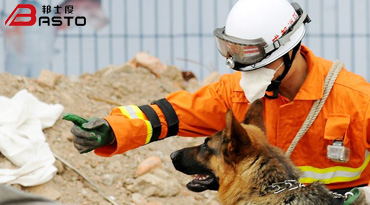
22,141
254,83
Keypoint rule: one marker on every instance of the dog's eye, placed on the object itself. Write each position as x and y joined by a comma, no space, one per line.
203,147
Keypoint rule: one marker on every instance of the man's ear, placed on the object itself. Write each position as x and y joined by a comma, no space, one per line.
235,134
254,115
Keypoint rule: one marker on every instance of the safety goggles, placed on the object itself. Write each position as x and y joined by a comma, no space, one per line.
252,51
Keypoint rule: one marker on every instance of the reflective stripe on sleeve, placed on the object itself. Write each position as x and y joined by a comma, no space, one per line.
133,112
332,174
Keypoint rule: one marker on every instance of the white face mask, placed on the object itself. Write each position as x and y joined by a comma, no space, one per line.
254,83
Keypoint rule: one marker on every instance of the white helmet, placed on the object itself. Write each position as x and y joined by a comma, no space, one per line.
262,31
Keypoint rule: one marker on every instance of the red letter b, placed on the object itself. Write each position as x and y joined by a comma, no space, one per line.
32,15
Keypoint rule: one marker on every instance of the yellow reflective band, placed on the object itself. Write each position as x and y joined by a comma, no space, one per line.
308,180
134,112
149,131
332,174
138,112
124,111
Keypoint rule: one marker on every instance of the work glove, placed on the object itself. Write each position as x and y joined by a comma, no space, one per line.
89,134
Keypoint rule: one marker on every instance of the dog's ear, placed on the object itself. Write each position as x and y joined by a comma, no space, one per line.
254,115
235,133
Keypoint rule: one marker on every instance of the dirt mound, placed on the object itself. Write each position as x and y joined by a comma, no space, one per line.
96,94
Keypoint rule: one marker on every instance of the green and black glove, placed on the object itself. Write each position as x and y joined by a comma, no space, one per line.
89,134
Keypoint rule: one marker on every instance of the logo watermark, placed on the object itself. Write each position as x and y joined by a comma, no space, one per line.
56,20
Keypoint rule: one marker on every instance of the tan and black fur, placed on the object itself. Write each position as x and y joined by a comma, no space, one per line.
239,163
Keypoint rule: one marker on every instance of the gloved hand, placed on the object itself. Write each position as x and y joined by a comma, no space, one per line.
89,134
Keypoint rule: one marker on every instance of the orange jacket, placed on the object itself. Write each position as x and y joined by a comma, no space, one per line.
346,113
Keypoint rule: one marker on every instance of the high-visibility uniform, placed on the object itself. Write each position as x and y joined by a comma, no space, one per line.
345,116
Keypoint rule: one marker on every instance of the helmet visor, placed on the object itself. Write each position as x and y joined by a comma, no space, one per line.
244,51
248,52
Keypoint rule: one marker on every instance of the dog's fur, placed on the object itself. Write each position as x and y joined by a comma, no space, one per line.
239,163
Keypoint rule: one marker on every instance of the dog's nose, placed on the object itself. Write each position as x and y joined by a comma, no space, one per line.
174,155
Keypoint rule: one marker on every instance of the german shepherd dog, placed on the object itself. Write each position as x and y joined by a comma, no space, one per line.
239,163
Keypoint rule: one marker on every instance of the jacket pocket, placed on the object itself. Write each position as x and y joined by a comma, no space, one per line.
336,127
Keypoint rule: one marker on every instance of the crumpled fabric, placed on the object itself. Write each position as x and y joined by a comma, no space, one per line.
22,141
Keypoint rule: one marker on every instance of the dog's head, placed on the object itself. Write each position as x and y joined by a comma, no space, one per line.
215,162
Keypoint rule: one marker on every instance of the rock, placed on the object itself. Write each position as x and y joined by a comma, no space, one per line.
31,88
84,192
58,179
126,69
60,167
108,179
173,75
148,164
111,71
132,63
150,62
138,199
48,78
187,75
157,184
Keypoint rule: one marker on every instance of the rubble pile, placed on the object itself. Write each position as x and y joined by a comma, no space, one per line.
142,176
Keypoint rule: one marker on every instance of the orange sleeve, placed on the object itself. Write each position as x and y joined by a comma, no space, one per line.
196,113
201,113
129,134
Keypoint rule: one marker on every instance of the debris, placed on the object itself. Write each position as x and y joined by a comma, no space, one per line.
148,164
46,190
187,75
152,184
59,166
108,198
132,63
103,100
48,78
108,179
138,199
94,95
150,62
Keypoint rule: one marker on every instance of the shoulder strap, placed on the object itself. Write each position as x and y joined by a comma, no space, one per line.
317,105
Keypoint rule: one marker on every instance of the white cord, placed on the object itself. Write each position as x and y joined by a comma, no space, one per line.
317,105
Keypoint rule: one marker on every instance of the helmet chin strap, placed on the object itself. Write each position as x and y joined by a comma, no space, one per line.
274,86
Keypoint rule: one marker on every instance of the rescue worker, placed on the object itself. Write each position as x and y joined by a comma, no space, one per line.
262,42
